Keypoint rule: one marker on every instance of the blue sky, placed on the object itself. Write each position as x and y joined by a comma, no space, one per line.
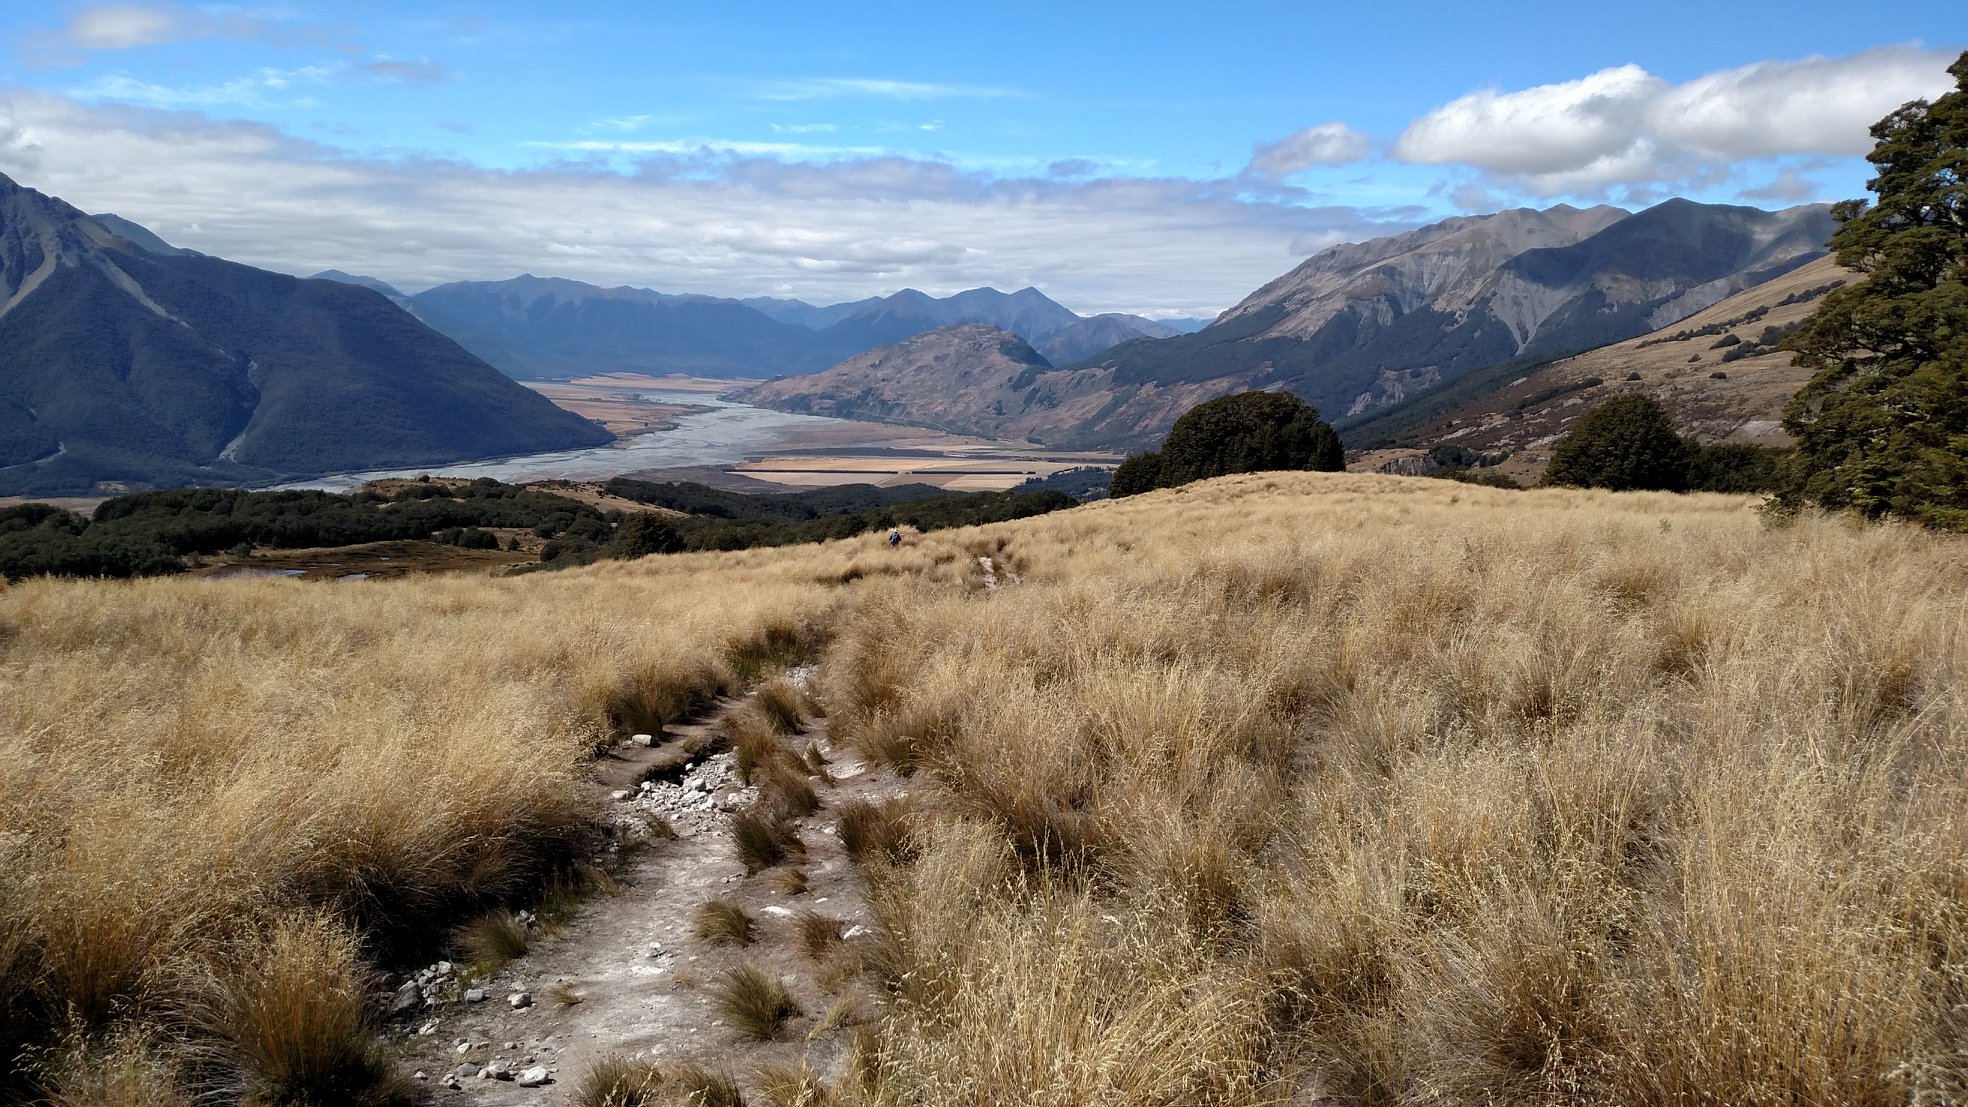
1143,157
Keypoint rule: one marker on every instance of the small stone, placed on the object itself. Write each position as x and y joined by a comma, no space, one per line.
474,995
618,795
520,1000
409,995
855,931
467,1071
776,911
451,1082
643,740
445,968
496,1070
427,1029
420,1075
534,1077
463,1048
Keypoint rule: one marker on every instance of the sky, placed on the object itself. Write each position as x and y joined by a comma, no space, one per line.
1154,158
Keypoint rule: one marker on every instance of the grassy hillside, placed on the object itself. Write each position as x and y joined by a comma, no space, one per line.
1269,788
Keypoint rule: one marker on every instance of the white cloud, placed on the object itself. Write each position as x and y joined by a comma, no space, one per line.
728,220
804,128
1325,144
1626,127
250,90
123,26
132,26
831,88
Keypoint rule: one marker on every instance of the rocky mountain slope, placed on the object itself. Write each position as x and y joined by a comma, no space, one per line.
1365,326
122,367
1093,335
1718,373
973,375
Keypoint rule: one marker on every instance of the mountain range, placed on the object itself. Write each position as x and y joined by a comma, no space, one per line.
1363,326
534,327
126,362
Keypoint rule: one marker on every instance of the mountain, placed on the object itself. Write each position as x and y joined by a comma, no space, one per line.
384,287
1718,373
1363,326
1099,333
987,368
120,367
549,327
973,378
141,235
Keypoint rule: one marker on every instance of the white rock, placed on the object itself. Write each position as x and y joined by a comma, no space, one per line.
520,999
445,968
643,740
463,1048
427,1029
496,1070
855,931
466,1071
776,911
619,794
474,995
534,1077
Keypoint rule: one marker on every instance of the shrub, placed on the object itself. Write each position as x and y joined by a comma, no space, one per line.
1245,433
646,533
1626,443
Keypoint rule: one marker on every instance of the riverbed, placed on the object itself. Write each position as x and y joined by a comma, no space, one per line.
724,434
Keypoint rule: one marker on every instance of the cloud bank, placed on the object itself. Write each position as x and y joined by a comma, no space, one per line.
731,220
1626,127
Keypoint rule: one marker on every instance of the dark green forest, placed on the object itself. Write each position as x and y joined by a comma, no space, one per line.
155,533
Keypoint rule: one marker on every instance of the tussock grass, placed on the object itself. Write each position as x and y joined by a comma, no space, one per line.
723,922
183,762
784,704
764,839
816,934
291,1005
752,1002
492,940
1400,795
1276,785
616,1081
876,829
698,1086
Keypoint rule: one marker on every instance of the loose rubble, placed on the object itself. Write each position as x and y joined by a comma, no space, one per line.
694,804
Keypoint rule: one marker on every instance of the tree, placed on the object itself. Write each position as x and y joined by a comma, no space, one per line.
1246,433
1882,428
1139,473
1626,443
646,533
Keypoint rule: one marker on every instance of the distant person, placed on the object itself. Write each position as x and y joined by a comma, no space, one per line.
895,536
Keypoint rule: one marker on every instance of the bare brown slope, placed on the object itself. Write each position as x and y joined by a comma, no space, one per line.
1681,365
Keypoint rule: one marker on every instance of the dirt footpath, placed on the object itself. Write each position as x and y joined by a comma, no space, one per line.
627,976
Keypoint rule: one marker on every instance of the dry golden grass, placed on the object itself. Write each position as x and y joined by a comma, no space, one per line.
1403,793
1283,785
184,762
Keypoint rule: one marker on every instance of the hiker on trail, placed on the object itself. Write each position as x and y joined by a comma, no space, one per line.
895,536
